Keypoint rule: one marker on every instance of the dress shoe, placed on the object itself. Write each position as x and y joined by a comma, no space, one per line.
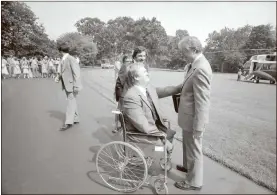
181,168
65,127
184,186
76,123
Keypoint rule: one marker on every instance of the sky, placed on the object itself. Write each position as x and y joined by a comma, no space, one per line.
198,18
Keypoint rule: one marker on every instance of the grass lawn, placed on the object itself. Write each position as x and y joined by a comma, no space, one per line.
242,129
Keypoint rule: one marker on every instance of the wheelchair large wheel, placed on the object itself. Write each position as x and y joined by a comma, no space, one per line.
121,166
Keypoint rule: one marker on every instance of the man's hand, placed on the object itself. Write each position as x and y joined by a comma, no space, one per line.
197,134
76,90
57,79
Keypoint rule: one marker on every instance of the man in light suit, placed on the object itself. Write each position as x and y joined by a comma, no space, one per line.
141,107
69,75
193,112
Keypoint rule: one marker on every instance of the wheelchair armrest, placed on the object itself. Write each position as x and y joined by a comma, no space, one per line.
144,134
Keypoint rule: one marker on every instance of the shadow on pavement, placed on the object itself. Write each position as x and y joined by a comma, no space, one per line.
94,150
93,176
104,134
57,114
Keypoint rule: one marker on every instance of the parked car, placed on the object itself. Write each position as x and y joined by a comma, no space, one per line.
105,64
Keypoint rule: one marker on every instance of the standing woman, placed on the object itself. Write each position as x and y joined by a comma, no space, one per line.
34,66
40,66
25,67
17,71
4,68
121,86
44,66
30,72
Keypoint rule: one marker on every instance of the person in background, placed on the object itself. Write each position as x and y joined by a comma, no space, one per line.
56,65
11,65
51,68
139,55
30,72
4,70
70,77
25,67
16,71
34,67
44,66
121,87
40,66
239,75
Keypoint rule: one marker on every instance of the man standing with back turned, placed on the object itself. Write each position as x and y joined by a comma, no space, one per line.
193,112
69,75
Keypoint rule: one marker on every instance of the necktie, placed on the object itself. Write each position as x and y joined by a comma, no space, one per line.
154,112
189,67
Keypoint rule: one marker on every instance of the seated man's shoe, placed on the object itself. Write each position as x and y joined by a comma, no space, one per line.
184,186
65,127
181,168
76,123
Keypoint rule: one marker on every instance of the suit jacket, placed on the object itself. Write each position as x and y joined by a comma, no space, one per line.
193,112
138,112
70,74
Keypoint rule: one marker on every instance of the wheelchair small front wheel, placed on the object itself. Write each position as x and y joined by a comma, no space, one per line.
168,165
160,187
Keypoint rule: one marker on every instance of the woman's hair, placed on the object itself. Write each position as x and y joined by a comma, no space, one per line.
125,57
138,50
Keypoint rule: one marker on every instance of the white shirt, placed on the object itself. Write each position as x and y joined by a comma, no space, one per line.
141,89
65,56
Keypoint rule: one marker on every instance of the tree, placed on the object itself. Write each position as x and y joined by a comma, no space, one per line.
21,34
180,34
80,45
174,54
261,37
224,48
122,34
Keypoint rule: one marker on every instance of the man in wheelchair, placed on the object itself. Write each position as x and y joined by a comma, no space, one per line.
141,109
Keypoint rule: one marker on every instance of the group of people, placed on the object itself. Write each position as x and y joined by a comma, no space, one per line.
139,102
13,67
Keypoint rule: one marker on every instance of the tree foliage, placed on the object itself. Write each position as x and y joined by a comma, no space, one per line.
226,49
229,48
79,45
21,34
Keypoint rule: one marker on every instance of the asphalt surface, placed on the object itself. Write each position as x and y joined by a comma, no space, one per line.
37,158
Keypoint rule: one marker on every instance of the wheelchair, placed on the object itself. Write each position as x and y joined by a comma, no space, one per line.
123,166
